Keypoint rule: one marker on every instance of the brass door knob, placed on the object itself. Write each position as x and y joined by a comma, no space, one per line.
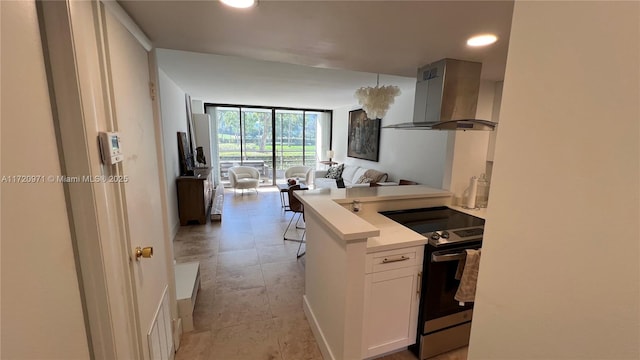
145,252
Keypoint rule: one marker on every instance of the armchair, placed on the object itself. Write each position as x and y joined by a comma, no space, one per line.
244,177
303,172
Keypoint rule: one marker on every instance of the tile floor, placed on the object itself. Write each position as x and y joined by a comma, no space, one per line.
250,303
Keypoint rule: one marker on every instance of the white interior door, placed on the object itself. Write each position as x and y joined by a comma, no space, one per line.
133,109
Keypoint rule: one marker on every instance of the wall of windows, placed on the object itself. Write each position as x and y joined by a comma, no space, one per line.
246,137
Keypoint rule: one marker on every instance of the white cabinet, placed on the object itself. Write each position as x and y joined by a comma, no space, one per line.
392,296
187,286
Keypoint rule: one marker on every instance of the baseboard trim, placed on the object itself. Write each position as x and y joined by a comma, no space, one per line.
317,332
177,333
174,230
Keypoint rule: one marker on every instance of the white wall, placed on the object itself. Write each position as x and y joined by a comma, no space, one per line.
467,150
197,106
560,275
416,155
441,159
495,116
41,307
174,119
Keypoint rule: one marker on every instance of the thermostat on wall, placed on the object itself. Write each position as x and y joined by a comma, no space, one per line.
110,147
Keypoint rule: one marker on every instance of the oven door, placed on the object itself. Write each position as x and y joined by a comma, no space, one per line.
441,283
444,324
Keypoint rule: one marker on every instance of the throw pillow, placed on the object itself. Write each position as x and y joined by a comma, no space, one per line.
365,180
377,176
335,172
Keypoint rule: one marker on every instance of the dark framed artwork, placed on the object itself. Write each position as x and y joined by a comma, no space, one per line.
191,132
364,136
185,155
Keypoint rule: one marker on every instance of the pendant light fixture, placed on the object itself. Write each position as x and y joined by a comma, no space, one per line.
375,101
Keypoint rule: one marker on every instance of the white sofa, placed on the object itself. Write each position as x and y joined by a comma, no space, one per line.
353,176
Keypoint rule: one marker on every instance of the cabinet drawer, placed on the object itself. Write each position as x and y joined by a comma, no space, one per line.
394,259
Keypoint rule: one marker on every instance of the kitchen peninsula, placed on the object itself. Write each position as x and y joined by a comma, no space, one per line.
362,277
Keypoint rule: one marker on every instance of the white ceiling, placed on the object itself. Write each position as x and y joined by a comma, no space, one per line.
386,37
234,80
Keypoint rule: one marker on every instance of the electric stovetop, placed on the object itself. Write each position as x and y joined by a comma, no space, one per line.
441,225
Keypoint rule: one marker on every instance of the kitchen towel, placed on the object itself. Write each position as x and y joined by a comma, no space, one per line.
467,288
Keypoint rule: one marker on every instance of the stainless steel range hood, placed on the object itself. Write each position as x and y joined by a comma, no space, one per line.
447,98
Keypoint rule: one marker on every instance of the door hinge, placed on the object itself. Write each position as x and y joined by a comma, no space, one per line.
152,90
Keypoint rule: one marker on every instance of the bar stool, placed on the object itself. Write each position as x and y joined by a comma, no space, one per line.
298,209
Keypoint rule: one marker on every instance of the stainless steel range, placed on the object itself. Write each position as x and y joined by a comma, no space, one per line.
444,324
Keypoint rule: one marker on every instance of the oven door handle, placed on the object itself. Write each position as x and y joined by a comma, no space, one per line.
448,257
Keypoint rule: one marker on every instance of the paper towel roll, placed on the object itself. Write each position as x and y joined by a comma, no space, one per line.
473,192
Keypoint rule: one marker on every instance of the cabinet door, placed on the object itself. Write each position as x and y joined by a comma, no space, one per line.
391,310
191,197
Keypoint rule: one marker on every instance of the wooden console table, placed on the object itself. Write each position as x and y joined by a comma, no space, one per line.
194,196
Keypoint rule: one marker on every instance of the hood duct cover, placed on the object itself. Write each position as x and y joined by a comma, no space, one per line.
447,97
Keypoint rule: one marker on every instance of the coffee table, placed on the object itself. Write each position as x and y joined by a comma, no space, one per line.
284,188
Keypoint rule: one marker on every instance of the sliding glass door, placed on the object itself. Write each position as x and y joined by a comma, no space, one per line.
246,137
257,141
229,139
289,135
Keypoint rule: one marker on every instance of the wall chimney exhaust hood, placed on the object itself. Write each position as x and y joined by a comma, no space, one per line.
447,98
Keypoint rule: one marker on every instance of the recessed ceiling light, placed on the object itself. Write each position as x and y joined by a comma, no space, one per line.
482,40
241,4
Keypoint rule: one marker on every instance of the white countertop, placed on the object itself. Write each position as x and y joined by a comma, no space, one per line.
375,193
381,232
392,235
